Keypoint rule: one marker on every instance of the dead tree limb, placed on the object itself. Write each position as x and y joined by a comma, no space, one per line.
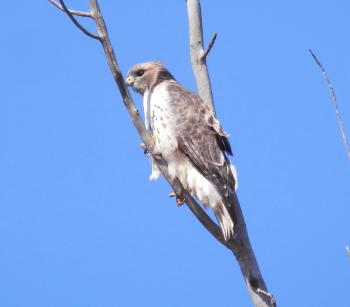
75,13
334,100
239,245
71,14
243,250
198,53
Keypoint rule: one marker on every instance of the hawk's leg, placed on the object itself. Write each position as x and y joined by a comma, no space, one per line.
145,149
156,173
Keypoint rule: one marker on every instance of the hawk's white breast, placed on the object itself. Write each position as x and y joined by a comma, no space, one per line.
159,119
162,120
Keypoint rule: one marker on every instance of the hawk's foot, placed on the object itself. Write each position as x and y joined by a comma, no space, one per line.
180,199
145,150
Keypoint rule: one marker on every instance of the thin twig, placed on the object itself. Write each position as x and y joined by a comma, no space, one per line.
75,13
76,22
334,99
211,44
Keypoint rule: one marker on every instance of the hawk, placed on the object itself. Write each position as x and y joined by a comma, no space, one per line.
190,139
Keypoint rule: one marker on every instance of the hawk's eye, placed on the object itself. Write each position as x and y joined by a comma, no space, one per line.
140,73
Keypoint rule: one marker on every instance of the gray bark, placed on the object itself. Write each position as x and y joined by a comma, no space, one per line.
240,245
197,52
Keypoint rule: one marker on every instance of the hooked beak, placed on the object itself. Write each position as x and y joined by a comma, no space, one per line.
129,80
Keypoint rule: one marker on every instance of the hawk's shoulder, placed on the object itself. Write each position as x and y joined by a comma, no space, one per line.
177,90
195,113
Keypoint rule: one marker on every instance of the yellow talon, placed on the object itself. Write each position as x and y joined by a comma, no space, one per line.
154,137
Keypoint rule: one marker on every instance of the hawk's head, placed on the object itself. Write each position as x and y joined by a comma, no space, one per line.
145,76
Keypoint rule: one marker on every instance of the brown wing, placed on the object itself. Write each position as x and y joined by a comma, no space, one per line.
202,139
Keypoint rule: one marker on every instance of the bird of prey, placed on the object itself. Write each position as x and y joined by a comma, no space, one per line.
190,139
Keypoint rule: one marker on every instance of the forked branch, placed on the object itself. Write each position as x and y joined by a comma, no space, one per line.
73,12
240,245
198,59
206,51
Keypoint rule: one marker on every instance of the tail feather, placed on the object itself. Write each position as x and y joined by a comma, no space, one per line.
225,219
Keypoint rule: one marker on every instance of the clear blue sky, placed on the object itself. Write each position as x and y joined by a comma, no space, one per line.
80,224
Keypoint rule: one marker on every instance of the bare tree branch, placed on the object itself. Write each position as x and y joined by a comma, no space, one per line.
240,245
75,13
334,99
64,8
199,66
211,44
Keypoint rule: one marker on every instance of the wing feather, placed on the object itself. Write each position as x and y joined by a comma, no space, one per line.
201,138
